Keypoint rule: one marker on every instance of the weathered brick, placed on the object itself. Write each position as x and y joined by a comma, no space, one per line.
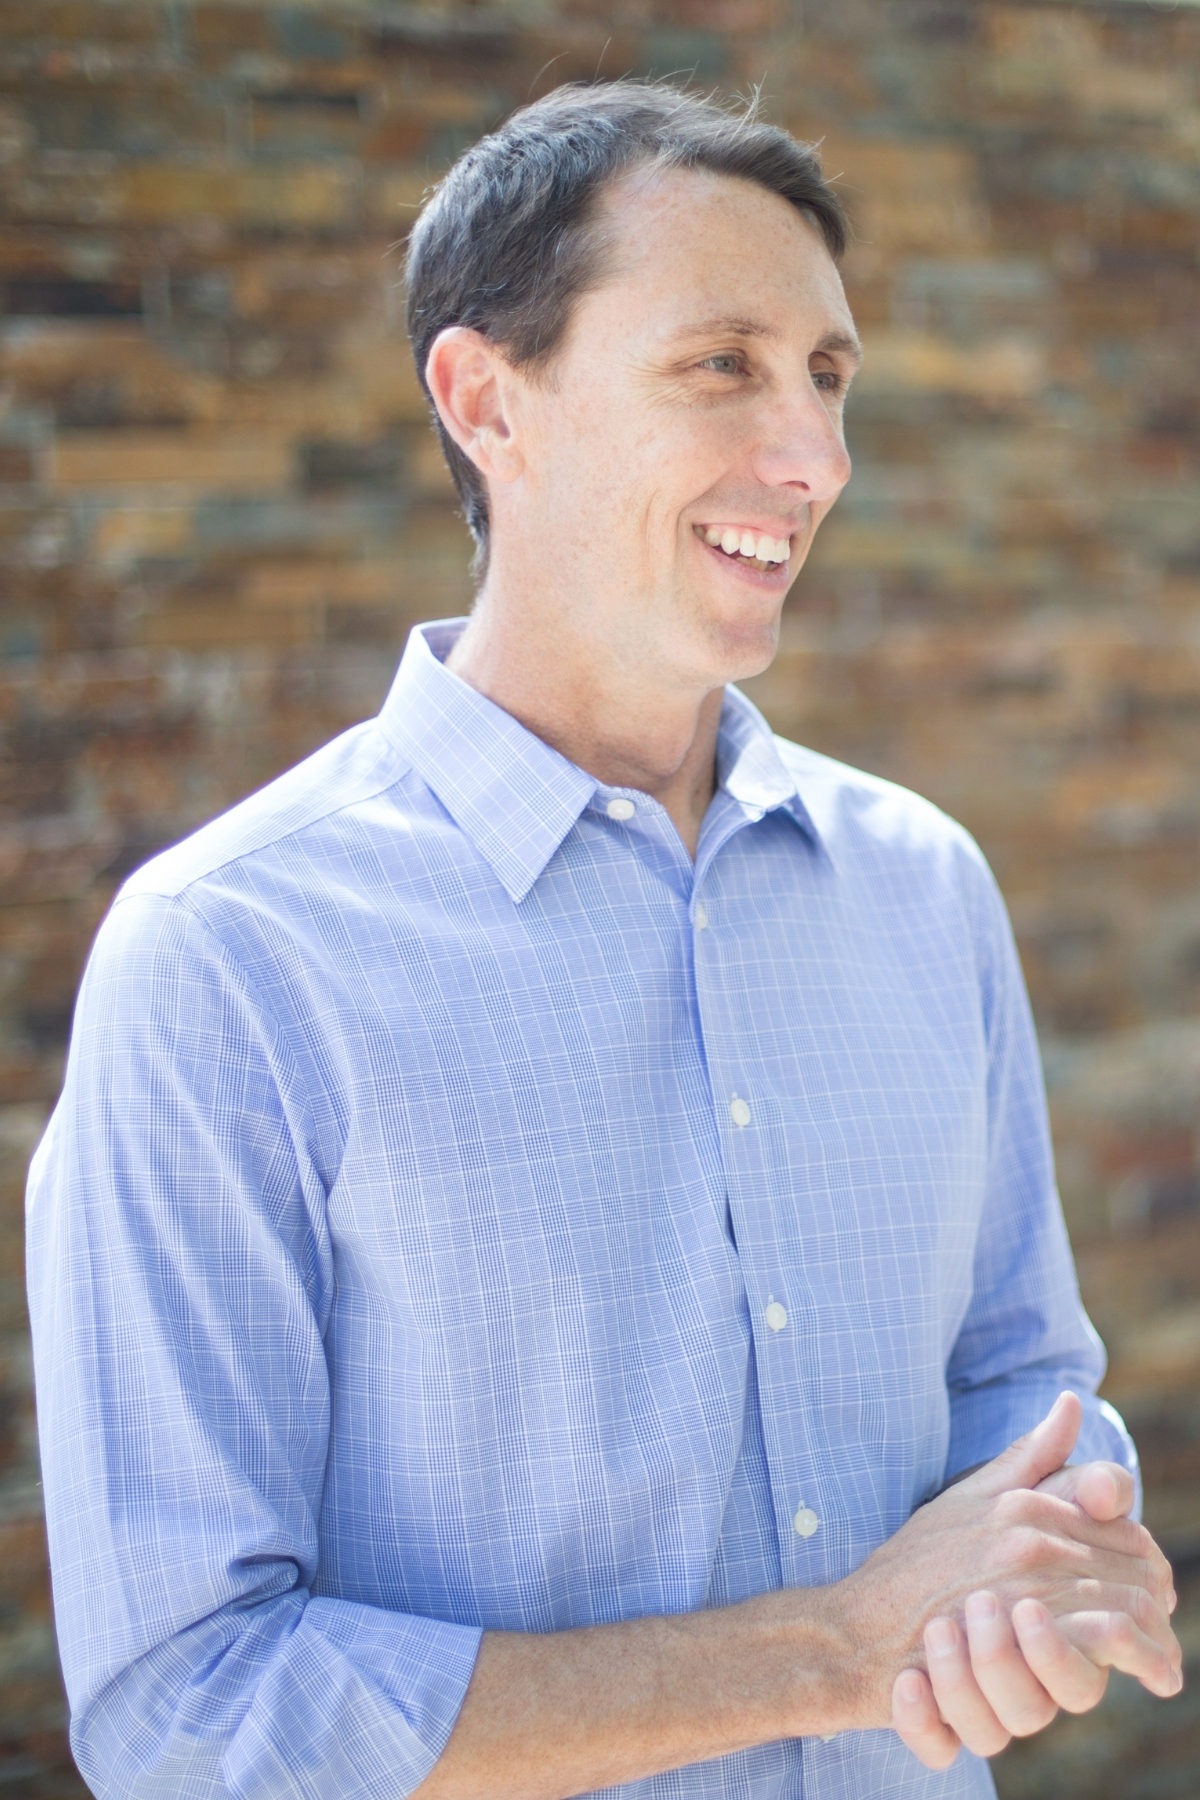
50,296
996,372
290,122
308,197
1067,58
220,26
304,197
378,363
129,535
199,457
212,623
306,581
304,290
72,21
908,195
18,463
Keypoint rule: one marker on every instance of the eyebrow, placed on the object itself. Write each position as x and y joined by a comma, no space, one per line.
843,342
833,341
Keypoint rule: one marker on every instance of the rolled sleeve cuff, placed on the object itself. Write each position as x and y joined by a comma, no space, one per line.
379,1729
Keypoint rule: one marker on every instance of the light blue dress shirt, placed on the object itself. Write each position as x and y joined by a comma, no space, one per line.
464,1212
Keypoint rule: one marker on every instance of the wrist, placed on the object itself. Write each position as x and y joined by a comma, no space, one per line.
864,1663
815,1661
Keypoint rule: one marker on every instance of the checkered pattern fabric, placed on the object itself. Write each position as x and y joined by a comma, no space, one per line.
463,1211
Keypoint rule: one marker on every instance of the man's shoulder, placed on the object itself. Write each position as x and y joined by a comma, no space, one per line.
315,793
857,811
886,840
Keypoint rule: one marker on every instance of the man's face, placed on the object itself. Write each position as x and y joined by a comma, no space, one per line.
692,415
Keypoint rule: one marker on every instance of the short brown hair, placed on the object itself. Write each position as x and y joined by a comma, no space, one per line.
503,244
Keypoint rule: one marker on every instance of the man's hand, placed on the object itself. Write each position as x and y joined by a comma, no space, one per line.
1010,1596
1004,1672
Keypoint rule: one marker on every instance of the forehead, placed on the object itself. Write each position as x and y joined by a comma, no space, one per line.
685,245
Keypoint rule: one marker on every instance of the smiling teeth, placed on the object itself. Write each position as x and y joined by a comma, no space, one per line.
756,546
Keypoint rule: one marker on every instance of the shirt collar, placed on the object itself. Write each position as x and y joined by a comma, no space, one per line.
749,766
514,796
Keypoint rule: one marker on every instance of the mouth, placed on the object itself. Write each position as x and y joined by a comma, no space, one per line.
742,547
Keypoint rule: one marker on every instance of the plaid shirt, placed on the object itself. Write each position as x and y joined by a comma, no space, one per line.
463,1211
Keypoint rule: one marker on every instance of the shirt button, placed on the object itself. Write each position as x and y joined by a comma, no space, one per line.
620,809
776,1316
739,1112
701,916
805,1521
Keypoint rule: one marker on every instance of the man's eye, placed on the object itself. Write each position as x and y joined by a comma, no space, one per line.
828,380
725,364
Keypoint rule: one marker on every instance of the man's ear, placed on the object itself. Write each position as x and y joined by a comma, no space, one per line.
471,385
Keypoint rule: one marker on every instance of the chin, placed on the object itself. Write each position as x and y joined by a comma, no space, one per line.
745,647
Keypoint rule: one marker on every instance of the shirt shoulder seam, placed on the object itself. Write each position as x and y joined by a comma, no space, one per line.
140,885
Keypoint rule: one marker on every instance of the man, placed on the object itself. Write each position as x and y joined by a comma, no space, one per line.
546,1192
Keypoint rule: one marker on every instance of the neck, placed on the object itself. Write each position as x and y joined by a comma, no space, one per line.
606,715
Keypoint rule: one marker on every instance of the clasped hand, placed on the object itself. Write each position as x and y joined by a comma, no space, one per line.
1012,1595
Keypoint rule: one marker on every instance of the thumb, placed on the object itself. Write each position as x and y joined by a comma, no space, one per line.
1039,1453
1104,1490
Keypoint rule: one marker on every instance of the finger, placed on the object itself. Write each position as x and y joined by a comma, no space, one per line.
1072,1681
1113,1639
1094,1598
962,1705
1010,1688
917,1724
1038,1454
1052,1530
1103,1489
1128,1538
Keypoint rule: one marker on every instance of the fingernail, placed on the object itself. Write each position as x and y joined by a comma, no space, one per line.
981,1608
941,1637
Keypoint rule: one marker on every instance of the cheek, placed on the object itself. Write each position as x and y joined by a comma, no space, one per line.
624,475
592,458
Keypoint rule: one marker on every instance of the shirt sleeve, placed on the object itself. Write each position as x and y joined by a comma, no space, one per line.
180,1274
1026,1336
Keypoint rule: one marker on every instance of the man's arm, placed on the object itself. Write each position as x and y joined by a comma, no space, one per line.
180,1281
1025,1336
558,1715
993,1671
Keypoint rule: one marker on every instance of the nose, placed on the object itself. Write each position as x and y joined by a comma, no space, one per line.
804,447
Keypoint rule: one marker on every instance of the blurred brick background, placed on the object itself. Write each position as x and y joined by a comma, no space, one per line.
221,508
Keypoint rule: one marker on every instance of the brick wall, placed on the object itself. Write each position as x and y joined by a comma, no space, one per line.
221,508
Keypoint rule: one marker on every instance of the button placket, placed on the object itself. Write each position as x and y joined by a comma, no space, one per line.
753,1147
